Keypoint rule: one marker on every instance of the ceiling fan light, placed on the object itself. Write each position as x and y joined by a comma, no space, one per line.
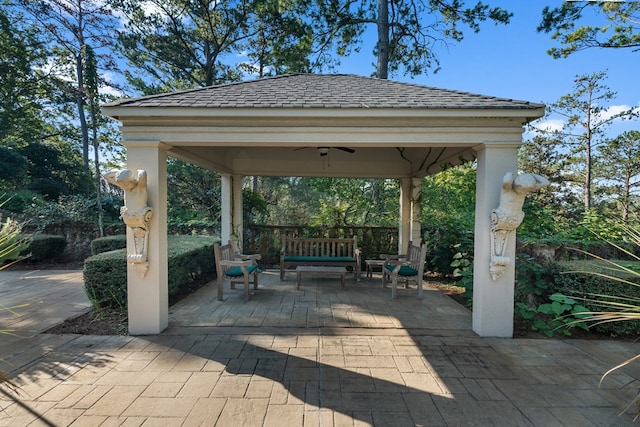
323,151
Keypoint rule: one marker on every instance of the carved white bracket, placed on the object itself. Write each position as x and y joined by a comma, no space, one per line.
135,213
508,216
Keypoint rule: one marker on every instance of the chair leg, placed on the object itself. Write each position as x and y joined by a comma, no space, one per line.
419,288
246,287
394,287
220,286
255,279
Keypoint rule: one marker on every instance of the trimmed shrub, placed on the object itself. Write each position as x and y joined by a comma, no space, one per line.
108,243
105,279
580,279
46,247
190,264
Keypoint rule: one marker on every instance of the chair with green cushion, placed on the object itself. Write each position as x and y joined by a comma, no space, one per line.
237,268
408,267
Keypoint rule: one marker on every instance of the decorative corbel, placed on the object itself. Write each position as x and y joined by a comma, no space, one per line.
508,216
135,213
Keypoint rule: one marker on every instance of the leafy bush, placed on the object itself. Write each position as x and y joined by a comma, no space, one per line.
108,243
445,244
559,315
12,244
190,262
20,201
46,247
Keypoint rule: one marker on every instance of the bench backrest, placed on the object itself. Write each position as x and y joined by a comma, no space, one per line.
319,246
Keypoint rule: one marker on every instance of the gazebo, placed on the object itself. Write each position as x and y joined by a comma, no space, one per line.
326,126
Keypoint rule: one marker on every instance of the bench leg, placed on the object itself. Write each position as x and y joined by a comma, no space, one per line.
298,278
342,278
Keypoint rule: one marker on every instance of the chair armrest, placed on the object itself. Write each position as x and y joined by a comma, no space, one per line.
397,262
390,256
252,256
236,263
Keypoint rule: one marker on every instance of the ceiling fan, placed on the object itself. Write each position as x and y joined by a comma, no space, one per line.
325,150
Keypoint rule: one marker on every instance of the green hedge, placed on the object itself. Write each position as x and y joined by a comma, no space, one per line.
108,243
585,284
190,263
46,247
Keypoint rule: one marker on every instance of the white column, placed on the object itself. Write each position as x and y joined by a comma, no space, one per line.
237,230
416,210
226,226
148,296
404,231
492,300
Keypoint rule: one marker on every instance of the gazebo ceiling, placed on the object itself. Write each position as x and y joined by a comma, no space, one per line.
274,126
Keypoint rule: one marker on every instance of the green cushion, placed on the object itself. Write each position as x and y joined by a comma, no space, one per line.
405,270
237,271
292,258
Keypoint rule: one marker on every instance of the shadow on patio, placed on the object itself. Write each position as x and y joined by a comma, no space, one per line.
355,355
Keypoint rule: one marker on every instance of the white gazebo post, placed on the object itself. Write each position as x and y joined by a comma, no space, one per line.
148,293
237,222
416,210
404,232
226,221
231,210
492,299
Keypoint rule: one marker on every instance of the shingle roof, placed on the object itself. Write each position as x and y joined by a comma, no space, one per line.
324,91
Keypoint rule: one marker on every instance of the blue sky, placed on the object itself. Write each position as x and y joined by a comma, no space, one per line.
511,61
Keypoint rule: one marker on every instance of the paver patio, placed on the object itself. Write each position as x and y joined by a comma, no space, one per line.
318,356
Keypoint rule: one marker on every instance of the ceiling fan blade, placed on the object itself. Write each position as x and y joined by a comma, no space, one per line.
300,148
348,150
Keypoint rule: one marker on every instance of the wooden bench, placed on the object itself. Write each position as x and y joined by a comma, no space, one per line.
297,251
237,268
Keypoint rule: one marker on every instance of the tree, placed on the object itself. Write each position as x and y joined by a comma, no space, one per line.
355,201
281,42
23,82
73,24
619,163
407,30
193,193
92,85
586,116
544,156
619,28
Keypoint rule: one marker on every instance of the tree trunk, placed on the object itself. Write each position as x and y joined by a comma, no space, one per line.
382,70
80,104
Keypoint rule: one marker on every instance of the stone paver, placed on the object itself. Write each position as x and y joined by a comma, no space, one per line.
338,370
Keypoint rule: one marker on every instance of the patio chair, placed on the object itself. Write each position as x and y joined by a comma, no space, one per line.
237,268
407,267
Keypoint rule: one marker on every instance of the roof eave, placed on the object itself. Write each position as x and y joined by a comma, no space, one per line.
531,112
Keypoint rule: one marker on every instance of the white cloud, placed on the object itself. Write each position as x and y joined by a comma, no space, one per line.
550,125
613,110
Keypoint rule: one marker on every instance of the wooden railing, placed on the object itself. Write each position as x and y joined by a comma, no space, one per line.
267,239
